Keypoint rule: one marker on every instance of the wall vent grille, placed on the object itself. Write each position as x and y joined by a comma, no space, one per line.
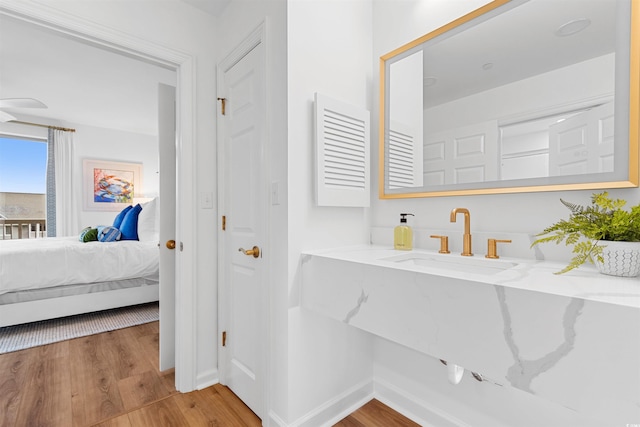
342,153
401,159
344,150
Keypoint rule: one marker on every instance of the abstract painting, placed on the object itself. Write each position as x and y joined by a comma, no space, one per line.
109,186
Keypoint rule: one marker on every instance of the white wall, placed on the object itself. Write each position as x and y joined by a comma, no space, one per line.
329,51
118,146
536,96
397,23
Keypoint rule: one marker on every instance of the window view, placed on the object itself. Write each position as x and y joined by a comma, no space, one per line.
23,164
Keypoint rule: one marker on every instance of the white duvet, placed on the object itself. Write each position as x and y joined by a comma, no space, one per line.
43,263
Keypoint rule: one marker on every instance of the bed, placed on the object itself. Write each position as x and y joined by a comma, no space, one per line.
55,277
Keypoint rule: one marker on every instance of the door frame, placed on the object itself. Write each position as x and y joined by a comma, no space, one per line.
255,38
183,64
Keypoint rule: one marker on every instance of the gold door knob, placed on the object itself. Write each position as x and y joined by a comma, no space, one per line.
171,244
255,251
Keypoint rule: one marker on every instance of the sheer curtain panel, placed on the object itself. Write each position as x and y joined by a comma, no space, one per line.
62,207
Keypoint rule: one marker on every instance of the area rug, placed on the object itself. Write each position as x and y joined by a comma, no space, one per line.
20,337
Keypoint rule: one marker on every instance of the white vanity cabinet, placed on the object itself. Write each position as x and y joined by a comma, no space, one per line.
573,339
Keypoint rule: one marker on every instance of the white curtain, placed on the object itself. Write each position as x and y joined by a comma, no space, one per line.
66,207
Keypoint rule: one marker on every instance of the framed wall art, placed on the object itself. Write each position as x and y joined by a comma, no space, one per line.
110,186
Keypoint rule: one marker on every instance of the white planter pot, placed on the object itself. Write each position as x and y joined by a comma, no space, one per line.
619,258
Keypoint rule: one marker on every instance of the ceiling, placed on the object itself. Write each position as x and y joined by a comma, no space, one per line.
213,7
515,45
82,83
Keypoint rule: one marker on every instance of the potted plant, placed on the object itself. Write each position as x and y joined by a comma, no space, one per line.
603,233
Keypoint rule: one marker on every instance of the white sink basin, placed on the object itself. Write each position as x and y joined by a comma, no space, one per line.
451,262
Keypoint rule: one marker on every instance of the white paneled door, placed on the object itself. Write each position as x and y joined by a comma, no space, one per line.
583,143
462,155
167,209
243,204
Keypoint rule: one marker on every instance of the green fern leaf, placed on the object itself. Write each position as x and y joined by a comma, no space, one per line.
605,219
577,209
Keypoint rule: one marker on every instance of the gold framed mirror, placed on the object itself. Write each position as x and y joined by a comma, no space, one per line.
516,96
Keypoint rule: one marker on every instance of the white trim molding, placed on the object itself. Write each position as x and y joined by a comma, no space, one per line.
414,408
207,379
339,407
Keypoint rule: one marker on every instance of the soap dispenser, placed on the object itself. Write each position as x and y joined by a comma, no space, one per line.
403,235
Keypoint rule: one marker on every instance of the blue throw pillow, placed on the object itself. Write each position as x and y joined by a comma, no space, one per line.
129,226
117,222
109,234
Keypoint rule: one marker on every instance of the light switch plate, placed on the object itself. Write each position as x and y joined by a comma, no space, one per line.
206,200
275,193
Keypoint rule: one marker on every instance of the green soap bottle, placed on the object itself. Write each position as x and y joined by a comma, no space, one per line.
403,235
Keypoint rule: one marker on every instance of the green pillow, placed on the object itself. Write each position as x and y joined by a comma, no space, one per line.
83,232
89,235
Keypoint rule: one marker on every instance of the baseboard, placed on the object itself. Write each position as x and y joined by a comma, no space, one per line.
207,379
337,408
274,421
413,407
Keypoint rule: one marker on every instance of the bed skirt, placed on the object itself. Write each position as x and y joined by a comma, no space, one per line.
35,307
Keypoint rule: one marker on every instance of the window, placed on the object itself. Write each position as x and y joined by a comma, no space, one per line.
23,165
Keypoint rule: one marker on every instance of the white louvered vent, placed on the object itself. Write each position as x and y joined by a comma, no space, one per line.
342,153
401,157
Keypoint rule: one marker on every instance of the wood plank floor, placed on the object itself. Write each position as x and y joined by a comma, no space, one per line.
376,414
108,379
112,380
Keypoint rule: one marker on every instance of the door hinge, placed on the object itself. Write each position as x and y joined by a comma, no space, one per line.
224,338
224,222
224,104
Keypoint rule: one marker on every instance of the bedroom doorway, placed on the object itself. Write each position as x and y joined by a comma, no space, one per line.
244,254
184,64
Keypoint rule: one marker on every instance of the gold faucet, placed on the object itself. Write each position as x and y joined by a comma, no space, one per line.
444,243
492,248
466,242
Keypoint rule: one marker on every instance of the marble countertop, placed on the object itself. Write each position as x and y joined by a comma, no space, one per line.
584,283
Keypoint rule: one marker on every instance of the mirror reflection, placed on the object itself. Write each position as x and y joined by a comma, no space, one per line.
523,95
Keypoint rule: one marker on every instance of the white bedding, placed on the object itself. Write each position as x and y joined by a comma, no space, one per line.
49,262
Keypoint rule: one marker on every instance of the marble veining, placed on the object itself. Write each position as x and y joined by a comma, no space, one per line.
361,300
523,371
537,251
